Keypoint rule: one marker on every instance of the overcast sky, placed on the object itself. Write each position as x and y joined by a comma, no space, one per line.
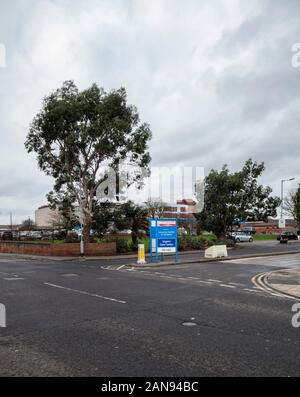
213,78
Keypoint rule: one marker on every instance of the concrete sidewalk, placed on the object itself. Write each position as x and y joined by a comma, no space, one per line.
285,281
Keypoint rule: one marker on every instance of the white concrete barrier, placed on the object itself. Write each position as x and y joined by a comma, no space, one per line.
216,251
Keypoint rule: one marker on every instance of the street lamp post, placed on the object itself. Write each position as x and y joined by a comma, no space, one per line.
281,207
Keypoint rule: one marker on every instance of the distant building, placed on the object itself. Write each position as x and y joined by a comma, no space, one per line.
45,217
270,227
183,210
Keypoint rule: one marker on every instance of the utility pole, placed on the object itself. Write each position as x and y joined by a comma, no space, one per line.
11,222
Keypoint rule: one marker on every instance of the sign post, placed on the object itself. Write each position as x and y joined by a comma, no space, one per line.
163,237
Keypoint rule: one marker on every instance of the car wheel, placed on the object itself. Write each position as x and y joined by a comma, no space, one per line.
238,240
250,240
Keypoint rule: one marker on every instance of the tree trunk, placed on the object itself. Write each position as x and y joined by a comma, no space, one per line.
87,228
134,238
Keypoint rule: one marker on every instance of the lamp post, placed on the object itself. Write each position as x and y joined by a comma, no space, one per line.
281,207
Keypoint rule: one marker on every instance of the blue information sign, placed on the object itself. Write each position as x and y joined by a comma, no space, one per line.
163,237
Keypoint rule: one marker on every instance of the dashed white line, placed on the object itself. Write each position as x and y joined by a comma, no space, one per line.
252,290
13,278
214,281
85,293
204,282
227,286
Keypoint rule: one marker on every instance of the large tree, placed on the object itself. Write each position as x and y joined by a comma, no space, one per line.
77,132
230,196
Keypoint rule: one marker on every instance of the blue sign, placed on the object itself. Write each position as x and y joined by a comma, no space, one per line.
164,243
163,237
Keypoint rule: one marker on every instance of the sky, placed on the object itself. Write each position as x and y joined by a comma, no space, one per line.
217,81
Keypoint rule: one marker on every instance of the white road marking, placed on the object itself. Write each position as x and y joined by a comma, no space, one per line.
227,286
85,293
214,281
204,282
237,284
120,267
13,278
258,282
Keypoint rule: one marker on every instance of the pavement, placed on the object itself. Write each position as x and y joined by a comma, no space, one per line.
285,281
97,318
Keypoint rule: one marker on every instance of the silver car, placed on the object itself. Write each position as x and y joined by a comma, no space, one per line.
242,237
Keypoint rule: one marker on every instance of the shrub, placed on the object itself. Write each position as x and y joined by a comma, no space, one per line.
122,245
229,242
182,243
70,239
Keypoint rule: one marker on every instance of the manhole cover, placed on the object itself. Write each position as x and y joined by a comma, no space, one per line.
188,324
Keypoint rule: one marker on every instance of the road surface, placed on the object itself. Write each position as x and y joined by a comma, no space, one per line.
84,318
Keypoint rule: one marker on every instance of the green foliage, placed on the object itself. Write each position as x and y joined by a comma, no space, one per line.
296,205
229,242
264,237
230,196
122,243
134,217
103,216
71,239
187,242
77,132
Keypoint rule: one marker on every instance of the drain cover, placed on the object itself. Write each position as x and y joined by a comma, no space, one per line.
188,324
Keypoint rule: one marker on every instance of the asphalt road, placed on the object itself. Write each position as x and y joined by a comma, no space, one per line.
84,318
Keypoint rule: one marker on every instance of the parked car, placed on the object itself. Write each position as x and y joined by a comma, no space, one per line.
7,236
35,235
126,231
242,237
288,236
250,230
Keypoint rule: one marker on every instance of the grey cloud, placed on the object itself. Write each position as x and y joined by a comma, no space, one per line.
214,80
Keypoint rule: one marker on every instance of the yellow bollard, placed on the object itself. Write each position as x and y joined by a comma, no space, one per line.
141,255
